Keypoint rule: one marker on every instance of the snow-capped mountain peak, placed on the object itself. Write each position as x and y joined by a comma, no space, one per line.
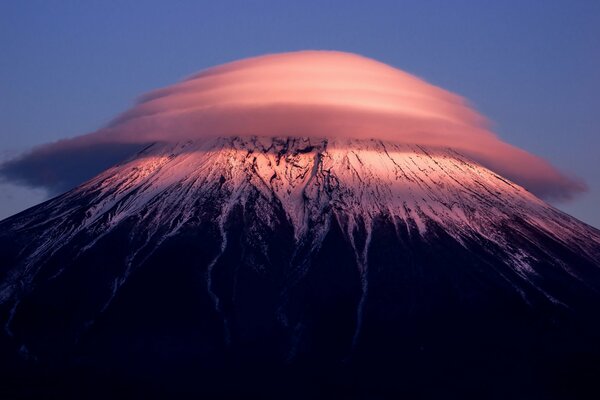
290,248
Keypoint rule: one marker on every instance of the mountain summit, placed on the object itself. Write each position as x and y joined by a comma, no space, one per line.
350,267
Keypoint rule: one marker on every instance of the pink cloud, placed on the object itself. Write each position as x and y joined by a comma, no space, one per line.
322,94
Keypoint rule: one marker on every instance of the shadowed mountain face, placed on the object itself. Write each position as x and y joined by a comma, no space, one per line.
294,267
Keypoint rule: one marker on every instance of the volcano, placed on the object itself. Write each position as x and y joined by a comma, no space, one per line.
299,267
303,225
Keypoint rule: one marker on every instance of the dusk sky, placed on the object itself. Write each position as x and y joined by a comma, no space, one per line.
531,67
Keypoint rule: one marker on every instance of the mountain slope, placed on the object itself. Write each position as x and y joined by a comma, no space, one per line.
361,256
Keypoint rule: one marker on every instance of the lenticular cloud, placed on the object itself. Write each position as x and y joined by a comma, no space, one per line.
309,93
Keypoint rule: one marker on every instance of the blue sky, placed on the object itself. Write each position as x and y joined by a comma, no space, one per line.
532,67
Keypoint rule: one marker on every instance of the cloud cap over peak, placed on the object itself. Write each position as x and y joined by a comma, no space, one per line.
308,93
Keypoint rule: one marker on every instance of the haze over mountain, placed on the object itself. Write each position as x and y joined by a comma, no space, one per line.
334,263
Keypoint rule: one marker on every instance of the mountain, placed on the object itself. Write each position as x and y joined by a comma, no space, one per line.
299,267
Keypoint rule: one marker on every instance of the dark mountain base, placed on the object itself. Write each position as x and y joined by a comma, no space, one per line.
438,321
447,368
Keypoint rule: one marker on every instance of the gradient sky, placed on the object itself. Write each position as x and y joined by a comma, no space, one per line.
532,67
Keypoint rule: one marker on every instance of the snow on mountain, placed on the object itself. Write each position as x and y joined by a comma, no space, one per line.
287,234
354,180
